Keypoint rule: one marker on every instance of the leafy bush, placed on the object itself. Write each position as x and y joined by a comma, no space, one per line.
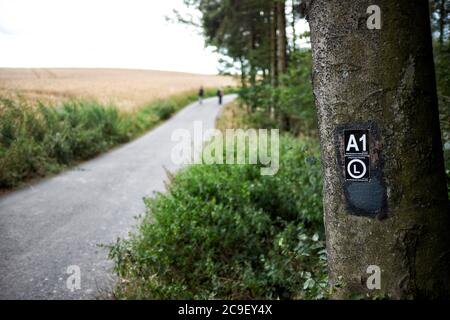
227,232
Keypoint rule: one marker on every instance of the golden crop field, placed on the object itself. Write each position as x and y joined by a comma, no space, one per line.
127,89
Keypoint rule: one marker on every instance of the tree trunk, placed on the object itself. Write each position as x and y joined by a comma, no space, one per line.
381,82
252,59
281,36
243,74
273,55
294,33
273,46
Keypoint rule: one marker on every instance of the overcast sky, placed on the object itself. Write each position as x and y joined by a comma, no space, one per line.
100,33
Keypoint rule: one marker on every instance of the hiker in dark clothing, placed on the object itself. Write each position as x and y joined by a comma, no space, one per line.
201,93
220,95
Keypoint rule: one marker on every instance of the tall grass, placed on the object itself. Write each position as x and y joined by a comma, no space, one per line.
42,139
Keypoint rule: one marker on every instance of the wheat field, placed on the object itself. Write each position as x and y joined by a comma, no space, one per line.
128,89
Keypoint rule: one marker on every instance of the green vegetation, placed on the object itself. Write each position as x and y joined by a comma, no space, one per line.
37,140
228,232
288,106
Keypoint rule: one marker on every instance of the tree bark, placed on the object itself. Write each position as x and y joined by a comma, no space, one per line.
382,81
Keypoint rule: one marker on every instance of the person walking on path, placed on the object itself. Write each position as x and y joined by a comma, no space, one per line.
201,93
220,95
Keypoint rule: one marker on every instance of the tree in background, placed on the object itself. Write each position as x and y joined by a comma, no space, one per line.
259,37
439,14
254,35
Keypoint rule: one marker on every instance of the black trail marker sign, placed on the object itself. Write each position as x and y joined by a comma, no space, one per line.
356,154
359,151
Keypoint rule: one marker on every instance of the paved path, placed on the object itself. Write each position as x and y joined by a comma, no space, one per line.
59,222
